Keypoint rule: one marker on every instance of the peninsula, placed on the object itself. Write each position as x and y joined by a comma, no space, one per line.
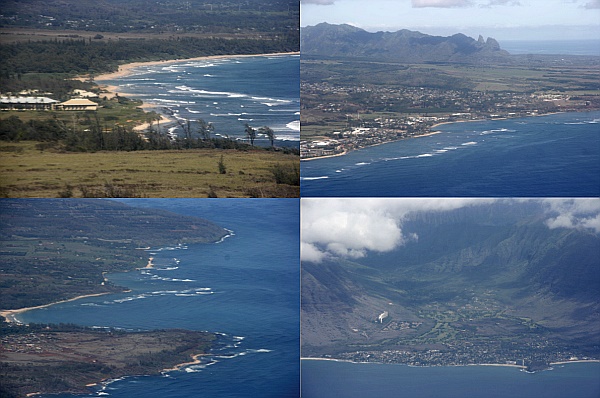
60,250
62,358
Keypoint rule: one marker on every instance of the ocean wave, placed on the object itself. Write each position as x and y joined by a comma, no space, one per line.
284,110
186,89
502,130
424,155
313,178
171,101
294,125
469,143
165,279
288,138
362,163
178,247
179,293
226,114
166,269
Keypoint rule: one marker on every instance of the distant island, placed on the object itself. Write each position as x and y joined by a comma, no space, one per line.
60,250
361,89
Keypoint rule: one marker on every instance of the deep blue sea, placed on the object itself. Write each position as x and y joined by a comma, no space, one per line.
548,156
245,287
227,92
324,379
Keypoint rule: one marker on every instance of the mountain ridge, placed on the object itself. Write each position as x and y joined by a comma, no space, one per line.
401,46
470,278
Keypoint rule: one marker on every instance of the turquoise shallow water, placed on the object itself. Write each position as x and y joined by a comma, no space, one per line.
322,379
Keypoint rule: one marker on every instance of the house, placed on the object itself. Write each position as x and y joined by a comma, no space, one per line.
27,103
77,104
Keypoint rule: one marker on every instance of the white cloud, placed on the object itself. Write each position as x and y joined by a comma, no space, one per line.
441,3
351,228
309,252
594,4
574,213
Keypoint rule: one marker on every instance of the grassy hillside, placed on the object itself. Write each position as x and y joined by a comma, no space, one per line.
28,172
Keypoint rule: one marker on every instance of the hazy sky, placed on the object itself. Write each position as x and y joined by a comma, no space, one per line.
353,228
501,19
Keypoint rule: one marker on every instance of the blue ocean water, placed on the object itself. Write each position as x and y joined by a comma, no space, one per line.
545,47
324,379
245,287
228,92
548,156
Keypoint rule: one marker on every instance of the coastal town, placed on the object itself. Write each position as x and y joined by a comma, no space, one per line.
470,353
363,115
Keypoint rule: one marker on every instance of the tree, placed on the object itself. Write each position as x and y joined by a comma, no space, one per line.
268,132
251,133
204,129
222,167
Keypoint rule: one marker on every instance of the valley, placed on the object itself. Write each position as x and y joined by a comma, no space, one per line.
472,290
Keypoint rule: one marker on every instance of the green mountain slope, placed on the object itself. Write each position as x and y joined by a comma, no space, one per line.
490,278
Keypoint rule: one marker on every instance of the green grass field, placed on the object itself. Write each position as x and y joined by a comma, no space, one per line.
27,172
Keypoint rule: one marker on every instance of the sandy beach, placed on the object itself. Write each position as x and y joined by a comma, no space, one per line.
126,69
195,361
10,315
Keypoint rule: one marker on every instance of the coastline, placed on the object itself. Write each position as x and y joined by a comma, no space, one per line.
575,361
432,132
416,366
473,364
374,145
10,315
195,361
126,69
